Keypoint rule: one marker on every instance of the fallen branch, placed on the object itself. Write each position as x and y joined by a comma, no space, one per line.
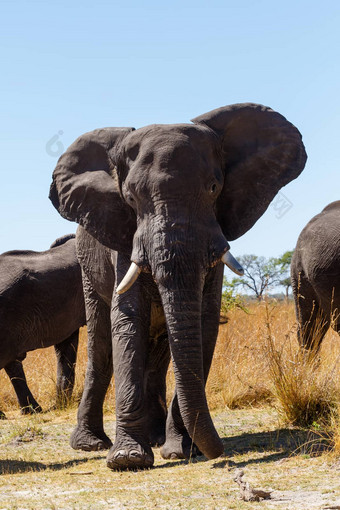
247,492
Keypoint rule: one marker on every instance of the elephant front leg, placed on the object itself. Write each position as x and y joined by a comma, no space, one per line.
89,433
130,325
16,373
178,443
66,353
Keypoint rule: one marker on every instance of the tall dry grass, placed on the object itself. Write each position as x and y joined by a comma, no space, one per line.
306,383
257,359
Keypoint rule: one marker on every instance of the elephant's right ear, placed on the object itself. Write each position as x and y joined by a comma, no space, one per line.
84,189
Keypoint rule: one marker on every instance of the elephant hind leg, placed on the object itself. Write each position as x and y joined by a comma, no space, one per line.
27,402
313,322
89,433
66,353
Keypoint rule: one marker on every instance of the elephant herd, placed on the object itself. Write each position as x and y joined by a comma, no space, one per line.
156,208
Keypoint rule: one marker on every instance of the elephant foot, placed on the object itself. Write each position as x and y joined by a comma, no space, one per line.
179,448
85,439
129,455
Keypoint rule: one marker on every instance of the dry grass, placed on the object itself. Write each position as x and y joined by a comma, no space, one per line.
306,384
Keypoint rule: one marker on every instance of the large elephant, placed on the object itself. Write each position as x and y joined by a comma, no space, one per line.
315,274
41,304
156,208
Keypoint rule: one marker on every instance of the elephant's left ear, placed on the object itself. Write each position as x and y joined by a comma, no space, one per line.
261,153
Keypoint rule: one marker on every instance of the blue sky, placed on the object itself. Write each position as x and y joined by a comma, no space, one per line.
70,67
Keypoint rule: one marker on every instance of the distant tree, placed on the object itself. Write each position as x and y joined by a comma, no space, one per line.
261,273
285,259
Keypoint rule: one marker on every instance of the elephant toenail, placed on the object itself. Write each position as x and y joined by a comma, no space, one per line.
120,454
134,454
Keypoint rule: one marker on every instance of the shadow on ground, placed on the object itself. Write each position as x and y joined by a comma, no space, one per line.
21,466
260,447
273,445
286,440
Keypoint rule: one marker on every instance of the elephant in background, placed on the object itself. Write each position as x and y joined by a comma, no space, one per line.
156,208
315,274
41,304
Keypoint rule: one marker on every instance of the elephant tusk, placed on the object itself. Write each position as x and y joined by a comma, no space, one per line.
129,279
232,263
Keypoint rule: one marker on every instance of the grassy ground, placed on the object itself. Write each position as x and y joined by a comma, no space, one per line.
39,469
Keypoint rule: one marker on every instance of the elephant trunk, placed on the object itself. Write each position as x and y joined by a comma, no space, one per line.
182,310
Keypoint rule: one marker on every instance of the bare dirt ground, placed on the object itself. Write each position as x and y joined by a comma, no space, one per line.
40,471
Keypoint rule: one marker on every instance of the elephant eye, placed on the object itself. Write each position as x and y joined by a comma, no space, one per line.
213,188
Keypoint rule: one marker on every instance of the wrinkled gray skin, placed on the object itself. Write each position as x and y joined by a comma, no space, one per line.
168,197
315,272
41,304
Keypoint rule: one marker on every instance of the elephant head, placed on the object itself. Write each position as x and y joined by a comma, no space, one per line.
171,197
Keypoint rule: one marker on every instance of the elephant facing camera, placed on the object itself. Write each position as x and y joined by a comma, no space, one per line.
157,207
